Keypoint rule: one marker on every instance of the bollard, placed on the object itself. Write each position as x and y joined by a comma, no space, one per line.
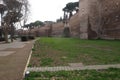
27,74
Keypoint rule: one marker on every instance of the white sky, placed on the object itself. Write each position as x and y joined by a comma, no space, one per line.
44,10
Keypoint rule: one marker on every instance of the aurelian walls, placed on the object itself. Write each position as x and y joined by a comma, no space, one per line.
99,19
110,22
57,29
74,24
83,15
95,19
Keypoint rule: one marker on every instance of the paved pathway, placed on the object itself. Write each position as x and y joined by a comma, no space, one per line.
15,44
13,59
68,68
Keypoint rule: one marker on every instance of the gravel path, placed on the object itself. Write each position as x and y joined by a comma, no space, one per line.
68,68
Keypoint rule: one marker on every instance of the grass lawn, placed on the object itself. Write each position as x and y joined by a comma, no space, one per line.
61,51
109,74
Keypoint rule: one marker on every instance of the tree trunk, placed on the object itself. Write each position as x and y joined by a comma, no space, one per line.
1,27
70,15
6,36
12,33
11,38
5,31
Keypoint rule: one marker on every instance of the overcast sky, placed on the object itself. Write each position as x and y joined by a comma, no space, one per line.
44,10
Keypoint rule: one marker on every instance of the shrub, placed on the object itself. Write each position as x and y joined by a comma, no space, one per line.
24,38
31,37
33,49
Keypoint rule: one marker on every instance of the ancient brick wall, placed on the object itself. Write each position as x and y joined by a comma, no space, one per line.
57,29
49,30
83,15
110,19
96,19
44,31
99,19
74,24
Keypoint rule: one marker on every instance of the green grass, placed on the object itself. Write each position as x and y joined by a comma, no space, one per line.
109,74
46,61
61,51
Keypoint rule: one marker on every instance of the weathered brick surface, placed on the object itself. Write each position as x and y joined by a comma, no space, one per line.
57,29
44,31
95,19
83,15
111,19
104,19
74,24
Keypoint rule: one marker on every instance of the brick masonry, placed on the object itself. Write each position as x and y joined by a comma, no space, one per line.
99,19
95,19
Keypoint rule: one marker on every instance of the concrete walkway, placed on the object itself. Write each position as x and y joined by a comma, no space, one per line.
15,44
68,68
13,59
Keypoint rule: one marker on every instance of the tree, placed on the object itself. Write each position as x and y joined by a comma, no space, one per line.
2,10
76,6
15,12
70,7
59,20
34,24
38,23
